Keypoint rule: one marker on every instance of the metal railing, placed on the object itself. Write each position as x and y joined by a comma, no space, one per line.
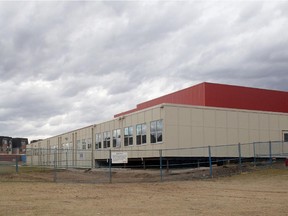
100,166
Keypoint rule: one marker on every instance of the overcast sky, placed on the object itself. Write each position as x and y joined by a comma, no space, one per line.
66,65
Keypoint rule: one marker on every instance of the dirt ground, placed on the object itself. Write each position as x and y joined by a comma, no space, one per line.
263,192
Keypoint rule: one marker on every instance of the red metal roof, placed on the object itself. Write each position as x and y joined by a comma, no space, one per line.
224,96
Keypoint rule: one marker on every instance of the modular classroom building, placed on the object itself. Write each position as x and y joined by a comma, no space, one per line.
206,114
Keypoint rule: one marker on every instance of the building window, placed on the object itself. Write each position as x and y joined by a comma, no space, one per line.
156,128
116,138
140,134
79,144
106,139
84,144
98,141
128,136
89,143
285,136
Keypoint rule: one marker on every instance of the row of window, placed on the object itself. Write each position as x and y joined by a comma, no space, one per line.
103,140
156,131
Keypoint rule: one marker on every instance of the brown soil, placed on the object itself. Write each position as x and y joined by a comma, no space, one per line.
263,192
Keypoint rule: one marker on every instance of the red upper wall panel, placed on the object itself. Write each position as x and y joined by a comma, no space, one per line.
228,96
225,96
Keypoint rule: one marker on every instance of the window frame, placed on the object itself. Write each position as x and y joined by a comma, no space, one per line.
116,143
128,136
156,131
89,143
98,141
106,139
79,144
141,134
84,144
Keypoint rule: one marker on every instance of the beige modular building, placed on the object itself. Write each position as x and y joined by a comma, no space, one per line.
181,124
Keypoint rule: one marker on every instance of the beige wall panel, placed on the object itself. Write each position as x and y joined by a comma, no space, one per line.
254,135
219,151
243,135
264,135
171,115
285,147
277,148
106,126
247,150
209,136
197,117
232,136
232,151
243,120
253,121
264,121
134,119
209,118
117,123
221,119
184,136
98,129
127,120
156,113
232,119
148,116
197,136
171,136
141,117
111,125
184,116
283,122
275,135
273,122
221,136
102,127
200,152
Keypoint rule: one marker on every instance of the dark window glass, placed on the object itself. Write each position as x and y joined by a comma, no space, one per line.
130,140
138,139
153,138
285,137
143,139
126,141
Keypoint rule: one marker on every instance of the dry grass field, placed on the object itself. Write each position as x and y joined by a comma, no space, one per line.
263,192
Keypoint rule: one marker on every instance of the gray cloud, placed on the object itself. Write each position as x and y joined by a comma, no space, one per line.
65,65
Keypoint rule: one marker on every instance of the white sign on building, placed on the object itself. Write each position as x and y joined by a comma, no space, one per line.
119,157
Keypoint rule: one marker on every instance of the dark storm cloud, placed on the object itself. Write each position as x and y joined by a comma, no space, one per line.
65,65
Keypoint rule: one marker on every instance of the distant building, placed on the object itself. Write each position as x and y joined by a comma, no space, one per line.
5,145
9,145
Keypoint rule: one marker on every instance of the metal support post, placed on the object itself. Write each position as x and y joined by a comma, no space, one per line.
55,165
240,159
161,172
110,166
17,164
210,161
254,151
67,159
270,152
